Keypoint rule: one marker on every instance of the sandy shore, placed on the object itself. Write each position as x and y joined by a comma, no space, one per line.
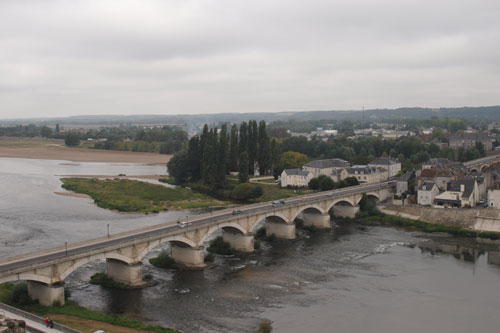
50,149
72,194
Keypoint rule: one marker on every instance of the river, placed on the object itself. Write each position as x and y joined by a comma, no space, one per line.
353,278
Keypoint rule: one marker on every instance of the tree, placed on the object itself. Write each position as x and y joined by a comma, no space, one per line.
45,131
178,167
480,148
233,149
326,184
243,174
264,150
253,135
221,158
351,181
313,184
292,160
57,128
72,139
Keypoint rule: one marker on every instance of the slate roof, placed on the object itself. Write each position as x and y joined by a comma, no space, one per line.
455,186
384,161
426,186
362,170
406,177
470,136
298,172
330,163
437,162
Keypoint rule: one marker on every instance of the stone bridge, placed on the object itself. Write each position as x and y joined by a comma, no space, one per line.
481,164
45,271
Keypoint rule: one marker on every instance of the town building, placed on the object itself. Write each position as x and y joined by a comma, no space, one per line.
325,167
469,140
405,183
391,165
459,193
295,178
440,177
436,163
367,174
494,198
426,194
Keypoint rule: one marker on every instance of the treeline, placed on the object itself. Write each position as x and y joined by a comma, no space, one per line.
164,140
30,131
411,151
215,153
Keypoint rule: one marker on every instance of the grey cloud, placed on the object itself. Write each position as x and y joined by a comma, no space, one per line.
81,57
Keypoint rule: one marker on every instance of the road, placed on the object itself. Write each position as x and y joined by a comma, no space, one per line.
171,228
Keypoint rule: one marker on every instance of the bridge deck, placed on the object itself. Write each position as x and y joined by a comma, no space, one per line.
12,265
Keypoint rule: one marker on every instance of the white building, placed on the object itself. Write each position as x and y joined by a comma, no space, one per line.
325,167
367,174
391,165
295,178
426,194
494,198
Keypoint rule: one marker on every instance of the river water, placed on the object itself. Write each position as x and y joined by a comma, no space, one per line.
353,278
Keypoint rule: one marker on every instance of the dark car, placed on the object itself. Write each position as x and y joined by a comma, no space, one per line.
236,212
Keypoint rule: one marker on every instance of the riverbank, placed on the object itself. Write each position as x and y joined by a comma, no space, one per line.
55,149
462,218
73,315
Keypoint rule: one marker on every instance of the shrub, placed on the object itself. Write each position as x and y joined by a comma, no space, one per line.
20,295
105,281
72,139
163,261
351,181
326,184
209,257
256,244
265,327
313,184
256,192
218,246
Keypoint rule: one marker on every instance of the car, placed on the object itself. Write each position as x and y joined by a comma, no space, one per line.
183,224
282,202
236,212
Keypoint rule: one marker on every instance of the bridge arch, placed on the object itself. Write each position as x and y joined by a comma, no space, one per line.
343,201
484,168
274,217
27,277
173,239
370,196
308,209
233,226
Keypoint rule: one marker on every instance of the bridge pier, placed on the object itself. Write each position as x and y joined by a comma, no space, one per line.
345,211
280,230
321,221
46,294
188,257
130,274
238,241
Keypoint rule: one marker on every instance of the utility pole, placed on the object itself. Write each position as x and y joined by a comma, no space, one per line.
66,247
108,230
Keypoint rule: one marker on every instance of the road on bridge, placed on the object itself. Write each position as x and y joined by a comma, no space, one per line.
10,264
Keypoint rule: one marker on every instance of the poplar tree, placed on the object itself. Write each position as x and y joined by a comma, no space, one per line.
253,134
243,174
221,158
234,149
264,149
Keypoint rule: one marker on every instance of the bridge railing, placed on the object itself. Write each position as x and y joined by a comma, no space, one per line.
151,233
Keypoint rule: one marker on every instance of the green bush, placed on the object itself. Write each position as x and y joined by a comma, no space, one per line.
313,184
242,191
265,327
105,281
209,257
20,296
218,246
163,261
326,184
256,192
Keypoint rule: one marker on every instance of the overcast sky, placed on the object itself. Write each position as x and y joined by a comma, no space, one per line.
61,58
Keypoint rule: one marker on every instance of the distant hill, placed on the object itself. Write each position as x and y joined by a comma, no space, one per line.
487,113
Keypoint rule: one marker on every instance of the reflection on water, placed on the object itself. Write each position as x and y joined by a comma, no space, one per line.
355,278
350,278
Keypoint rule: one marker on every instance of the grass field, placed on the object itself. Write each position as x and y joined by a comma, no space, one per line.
125,195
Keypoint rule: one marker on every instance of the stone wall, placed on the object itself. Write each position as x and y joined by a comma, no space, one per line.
457,217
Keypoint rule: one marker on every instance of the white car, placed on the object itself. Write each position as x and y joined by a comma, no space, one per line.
183,224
